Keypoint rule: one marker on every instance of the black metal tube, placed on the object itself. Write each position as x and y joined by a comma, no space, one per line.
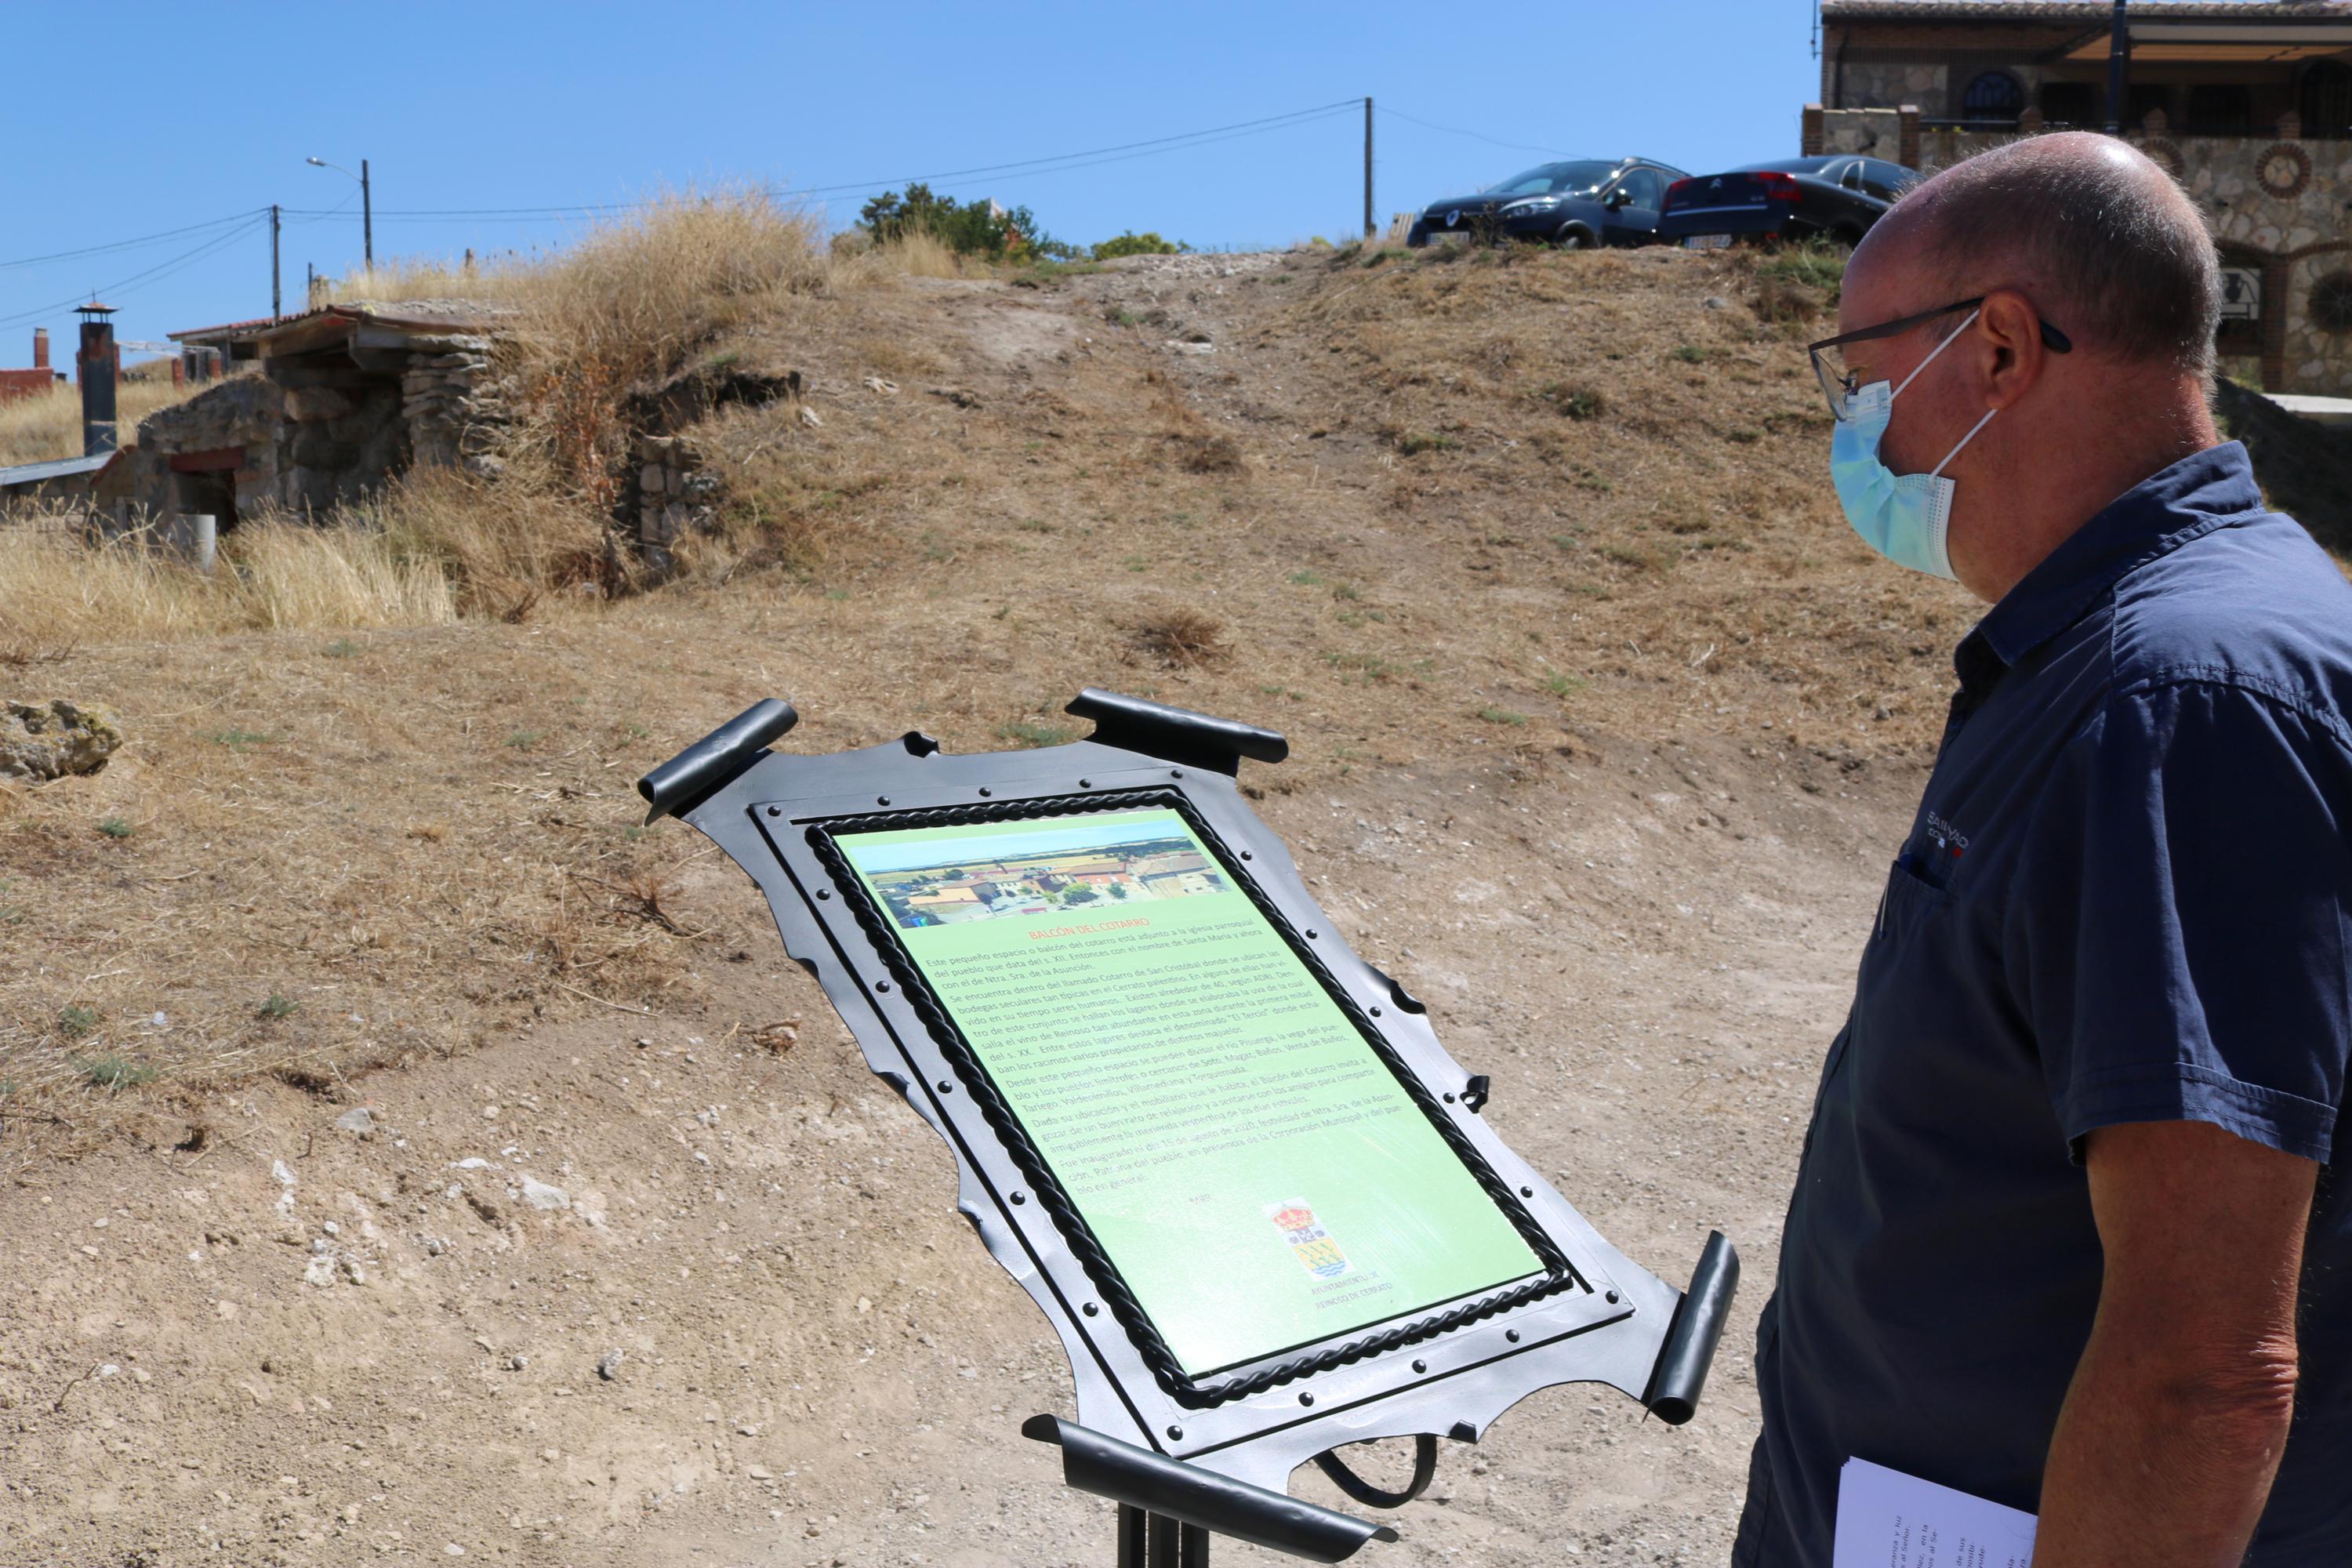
367,217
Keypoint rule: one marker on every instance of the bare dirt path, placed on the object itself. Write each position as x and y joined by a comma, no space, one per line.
631,1291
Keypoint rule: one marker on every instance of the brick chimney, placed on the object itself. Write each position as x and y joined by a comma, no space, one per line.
40,348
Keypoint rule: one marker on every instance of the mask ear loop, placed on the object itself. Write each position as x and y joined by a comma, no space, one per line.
1936,472
1940,348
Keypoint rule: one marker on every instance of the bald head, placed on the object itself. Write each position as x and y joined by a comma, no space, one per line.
2106,246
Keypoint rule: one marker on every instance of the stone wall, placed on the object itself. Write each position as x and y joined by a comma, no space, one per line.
2276,206
1881,82
670,494
327,428
1889,134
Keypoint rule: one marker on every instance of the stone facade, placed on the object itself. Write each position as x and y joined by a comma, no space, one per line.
1889,134
670,494
2276,207
343,403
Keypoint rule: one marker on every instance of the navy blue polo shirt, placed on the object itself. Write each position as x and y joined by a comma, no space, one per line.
2127,897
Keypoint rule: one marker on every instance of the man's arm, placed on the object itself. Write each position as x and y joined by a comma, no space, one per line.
2177,1413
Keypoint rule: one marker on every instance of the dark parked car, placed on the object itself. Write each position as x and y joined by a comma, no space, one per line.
1836,198
1586,202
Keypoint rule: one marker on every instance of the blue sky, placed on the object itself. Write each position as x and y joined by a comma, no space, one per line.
193,114
948,846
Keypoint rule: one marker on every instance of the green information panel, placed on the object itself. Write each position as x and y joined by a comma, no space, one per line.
1256,1173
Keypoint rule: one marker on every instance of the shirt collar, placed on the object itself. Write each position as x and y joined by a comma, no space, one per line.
2201,492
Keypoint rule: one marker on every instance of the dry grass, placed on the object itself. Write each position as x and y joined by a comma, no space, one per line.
44,428
423,834
1184,638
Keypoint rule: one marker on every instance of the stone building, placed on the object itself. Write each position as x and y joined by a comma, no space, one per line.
345,397
2250,107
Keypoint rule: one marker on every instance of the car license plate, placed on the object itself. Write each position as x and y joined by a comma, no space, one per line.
1706,242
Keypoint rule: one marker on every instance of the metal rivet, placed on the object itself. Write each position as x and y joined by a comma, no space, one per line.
1527,1192
1090,1308
1085,784
775,811
881,800
824,893
946,1088
1312,935
1376,1012
1175,772
1306,1399
1512,1335
1449,1100
1612,1297
1420,1366
1245,853
885,985
1175,1434
986,792
1021,1197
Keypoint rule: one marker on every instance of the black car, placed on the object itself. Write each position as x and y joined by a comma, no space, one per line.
1582,203
1837,198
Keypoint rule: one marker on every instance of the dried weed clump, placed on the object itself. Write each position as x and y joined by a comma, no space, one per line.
1184,638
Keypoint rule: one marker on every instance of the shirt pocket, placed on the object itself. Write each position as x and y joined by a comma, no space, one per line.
1908,902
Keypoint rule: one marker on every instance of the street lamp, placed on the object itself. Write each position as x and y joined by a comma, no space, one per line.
367,203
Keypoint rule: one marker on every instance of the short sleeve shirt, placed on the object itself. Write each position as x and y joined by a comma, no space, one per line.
2127,897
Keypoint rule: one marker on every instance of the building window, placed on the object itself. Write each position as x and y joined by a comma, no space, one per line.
2071,103
2331,303
2220,109
1993,95
2325,103
2142,98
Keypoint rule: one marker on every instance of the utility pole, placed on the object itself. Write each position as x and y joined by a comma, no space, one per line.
274,312
2118,68
1367,168
367,217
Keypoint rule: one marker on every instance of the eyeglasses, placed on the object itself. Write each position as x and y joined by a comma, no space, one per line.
1837,382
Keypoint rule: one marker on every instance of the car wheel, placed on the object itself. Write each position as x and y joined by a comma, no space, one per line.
1418,235
1575,236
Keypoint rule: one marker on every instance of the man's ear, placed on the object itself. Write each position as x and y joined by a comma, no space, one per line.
2011,351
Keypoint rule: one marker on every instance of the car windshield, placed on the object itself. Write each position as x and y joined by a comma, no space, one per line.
1556,179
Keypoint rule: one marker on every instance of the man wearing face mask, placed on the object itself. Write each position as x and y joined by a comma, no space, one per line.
2065,1233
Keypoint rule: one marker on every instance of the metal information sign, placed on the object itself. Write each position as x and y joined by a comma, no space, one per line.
1226,1157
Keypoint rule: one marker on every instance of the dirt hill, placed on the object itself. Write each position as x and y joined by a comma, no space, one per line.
1601,724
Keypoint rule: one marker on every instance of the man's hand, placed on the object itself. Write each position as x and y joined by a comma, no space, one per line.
2174,1423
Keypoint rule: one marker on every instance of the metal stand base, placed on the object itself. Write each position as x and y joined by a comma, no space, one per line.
1156,1541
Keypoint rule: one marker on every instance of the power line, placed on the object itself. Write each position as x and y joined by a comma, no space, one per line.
1476,136
129,244
126,285
1018,168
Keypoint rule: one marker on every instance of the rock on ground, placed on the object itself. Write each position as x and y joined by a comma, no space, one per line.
47,741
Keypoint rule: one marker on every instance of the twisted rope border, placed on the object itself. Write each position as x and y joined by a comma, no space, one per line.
1558,1274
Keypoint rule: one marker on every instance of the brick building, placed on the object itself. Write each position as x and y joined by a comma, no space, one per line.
2249,105
32,382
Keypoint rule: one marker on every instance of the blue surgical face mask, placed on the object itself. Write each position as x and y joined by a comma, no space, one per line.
1904,517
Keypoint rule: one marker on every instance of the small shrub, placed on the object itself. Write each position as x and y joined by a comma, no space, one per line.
1307,579
1579,402
237,740
277,1007
1560,683
1414,444
343,648
112,1074
524,740
1130,243
115,828
74,1022
1689,354
1502,716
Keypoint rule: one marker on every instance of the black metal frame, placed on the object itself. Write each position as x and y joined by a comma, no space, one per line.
1207,1465
1558,1272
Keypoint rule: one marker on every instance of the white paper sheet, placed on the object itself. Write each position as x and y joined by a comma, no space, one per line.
1888,1520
